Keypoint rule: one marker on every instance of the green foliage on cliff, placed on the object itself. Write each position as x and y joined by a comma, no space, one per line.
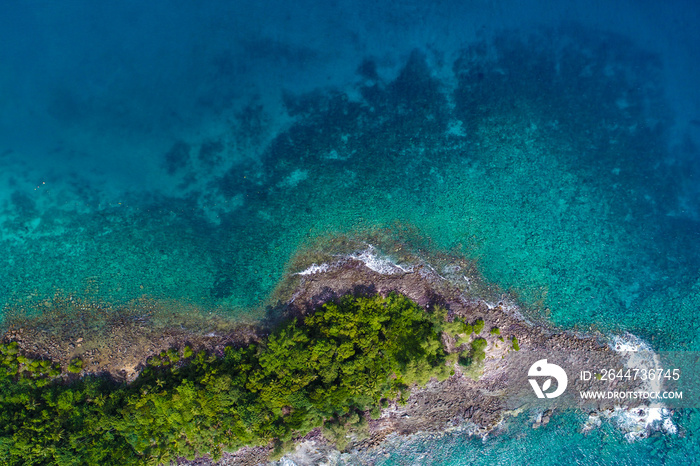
478,326
75,366
347,357
458,328
478,352
342,429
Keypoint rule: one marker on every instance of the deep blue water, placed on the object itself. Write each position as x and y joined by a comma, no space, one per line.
187,152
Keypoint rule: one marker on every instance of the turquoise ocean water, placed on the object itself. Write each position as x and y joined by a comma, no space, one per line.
187,153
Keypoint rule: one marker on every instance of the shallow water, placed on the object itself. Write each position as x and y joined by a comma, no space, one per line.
190,154
558,443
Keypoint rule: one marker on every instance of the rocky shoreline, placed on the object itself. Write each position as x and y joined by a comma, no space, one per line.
462,402
116,342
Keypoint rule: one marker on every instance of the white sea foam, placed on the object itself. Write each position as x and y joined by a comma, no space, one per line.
369,257
380,264
425,273
315,268
629,343
639,355
639,422
636,423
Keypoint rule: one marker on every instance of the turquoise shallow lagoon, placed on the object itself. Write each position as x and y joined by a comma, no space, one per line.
193,154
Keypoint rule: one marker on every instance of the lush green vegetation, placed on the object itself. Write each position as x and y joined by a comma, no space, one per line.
516,345
346,358
478,326
474,353
458,328
478,350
